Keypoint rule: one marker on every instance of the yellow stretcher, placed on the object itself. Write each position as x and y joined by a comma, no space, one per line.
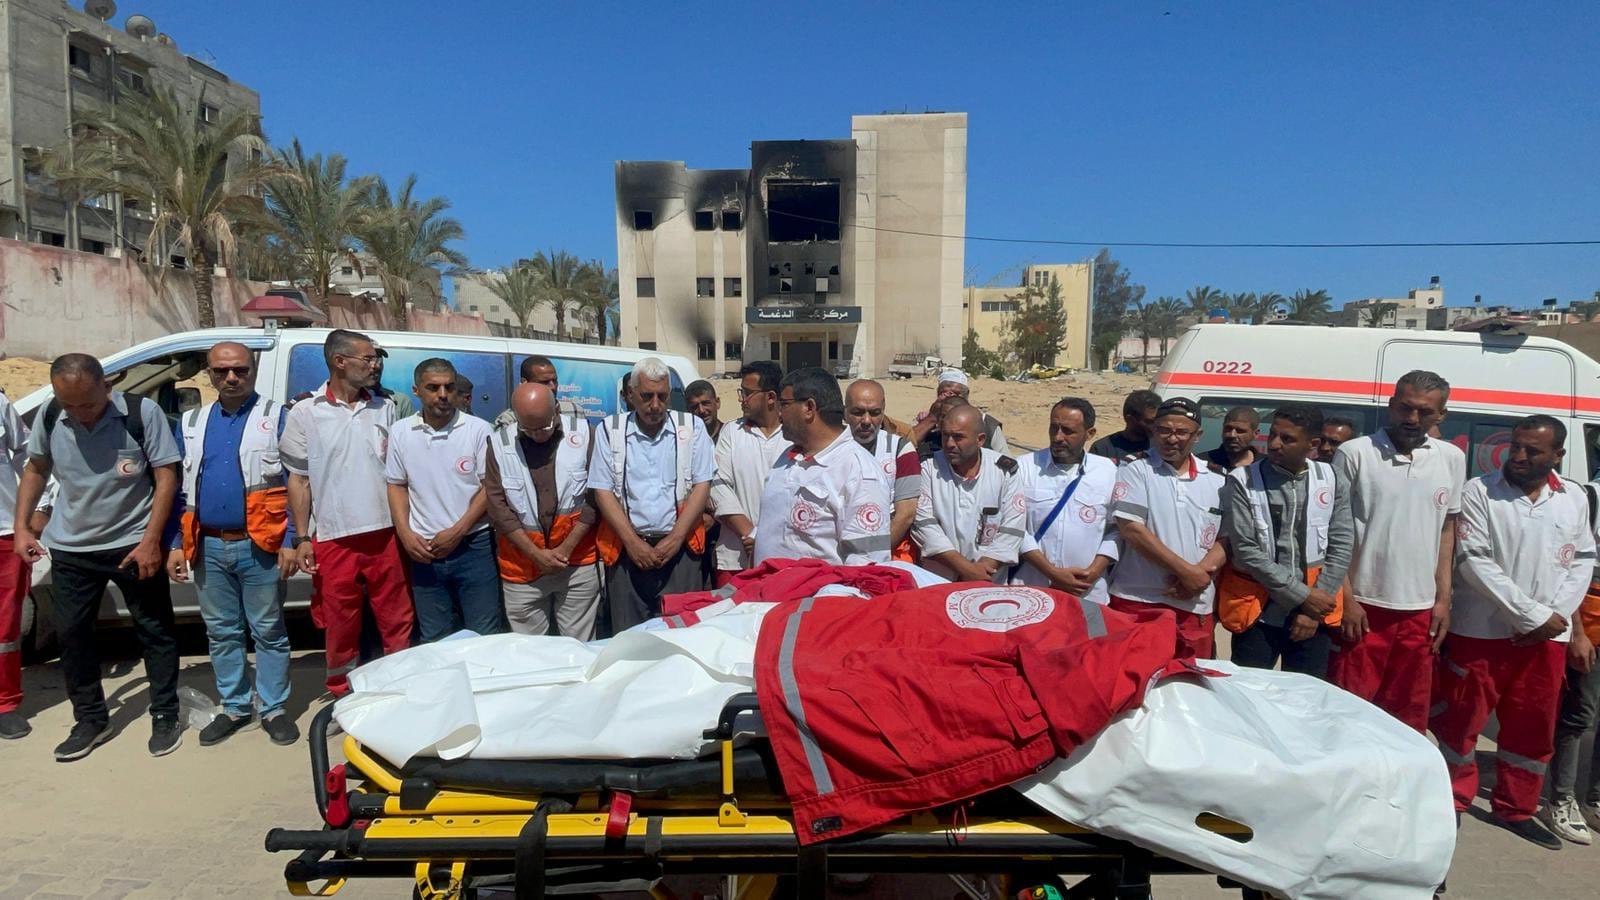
458,829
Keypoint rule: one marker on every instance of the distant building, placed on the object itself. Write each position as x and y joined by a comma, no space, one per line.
359,277
56,59
1408,312
473,297
835,253
988,307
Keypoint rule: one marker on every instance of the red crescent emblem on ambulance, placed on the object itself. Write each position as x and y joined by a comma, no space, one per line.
1120,491
802,516
1441,497
869,516
465,464
998,609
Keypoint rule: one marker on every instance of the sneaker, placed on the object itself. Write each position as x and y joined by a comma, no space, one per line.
166,733
221,728
13,726
1529,830
1590,809
281,729
1562,817
84,738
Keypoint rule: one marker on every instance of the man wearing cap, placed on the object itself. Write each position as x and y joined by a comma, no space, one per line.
1167,506
1405,493
15,572
895,455
435,473
953,388
970,509
1066,543
825,498
651,477
334,446
115,465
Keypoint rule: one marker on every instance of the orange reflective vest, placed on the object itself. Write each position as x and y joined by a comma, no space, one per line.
1240,599
616,425
572,483
266,500
1589,614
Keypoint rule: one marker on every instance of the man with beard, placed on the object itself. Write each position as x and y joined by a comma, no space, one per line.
896,457
970,510
1138,419
1065,544
1525,553
1336,430
1239,428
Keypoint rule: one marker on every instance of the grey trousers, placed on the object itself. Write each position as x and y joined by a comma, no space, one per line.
1580,711
570,597
635,594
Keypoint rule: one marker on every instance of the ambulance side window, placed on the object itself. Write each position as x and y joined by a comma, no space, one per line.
1482,438
1214,409
1591,452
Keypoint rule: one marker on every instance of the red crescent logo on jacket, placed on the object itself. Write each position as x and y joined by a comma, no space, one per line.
802,516
1120,491
869,516
265,425
990,531
1208,537
1566,554
1019,503
998,608
1463,530
465,464
574,439
888,467
127,468
1089,514
1441,497
1324,497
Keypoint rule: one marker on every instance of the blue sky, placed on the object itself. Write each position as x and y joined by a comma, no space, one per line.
1174,121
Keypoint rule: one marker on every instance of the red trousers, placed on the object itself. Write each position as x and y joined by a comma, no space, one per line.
1522,686
1391,666
352,569
15,579
1197,634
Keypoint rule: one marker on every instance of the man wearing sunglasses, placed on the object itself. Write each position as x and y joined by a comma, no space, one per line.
234,517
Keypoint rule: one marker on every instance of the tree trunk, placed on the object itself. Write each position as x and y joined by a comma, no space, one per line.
1144,353
561,321
201,276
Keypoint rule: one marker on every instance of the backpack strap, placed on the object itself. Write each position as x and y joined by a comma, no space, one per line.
1594,502
685,455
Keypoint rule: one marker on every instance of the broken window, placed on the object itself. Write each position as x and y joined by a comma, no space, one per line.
833,349
773,271
347,270
811,269
705,287
53,238
646,287
786,285
732,220
135,81
644,220
777,352
732,350
733,287
704,220
209,114
92,246
80,59
705,349
180,262
802,210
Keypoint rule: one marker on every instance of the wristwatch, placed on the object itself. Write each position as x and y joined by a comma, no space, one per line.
300,539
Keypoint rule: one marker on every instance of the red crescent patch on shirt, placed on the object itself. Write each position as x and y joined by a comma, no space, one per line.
1019,503
265,425
465,464
1567,554
1441,498
1324,497
802,516
127,468
1120,491
1089,514
869,516
1208,537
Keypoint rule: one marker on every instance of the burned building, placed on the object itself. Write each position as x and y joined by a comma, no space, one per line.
835,253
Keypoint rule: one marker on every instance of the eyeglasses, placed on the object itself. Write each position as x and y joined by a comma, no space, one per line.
785,401
225,371
1174,432
744,394
369,360
654,395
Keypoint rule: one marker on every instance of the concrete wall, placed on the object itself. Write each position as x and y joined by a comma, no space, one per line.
53,301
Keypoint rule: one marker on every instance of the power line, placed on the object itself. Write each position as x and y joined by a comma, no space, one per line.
1201,245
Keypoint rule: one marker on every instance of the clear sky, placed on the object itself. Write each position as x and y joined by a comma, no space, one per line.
1172,121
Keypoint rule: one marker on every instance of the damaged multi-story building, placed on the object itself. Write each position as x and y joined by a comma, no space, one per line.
834,253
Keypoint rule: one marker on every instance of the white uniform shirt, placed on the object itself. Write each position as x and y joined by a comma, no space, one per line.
441,470
744,460
13,456
1184,513
976,517
1519,560
1079,532
897,459
1399,504
651,470
342,449
829,507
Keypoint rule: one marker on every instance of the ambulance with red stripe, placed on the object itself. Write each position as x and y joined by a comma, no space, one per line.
1496,378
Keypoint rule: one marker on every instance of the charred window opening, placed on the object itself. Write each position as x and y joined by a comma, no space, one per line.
705,349
811,269
733,287
785,285
772,271
802,210
833,349
833,270
777,351
732,220
646,287
705,287
644,220
704,220
733,350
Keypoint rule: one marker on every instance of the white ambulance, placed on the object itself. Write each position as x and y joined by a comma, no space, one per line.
1496,378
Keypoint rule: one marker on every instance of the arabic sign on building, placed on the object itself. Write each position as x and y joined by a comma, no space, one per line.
781,315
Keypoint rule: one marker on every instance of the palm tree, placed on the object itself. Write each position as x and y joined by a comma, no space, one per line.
1203,299
1241,306
565,283
406,237
1309,306
1168,312
1142,319
317,213
599,296
1266,305
1375,314
200,179
520,288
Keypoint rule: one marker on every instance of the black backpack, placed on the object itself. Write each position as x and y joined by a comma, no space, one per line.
133,423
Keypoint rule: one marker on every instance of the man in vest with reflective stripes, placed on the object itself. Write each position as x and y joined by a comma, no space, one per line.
234,516
15,573
970,509
651,480
895,455
334,446
745,453
1066,544
1289,531
537,481
1524,555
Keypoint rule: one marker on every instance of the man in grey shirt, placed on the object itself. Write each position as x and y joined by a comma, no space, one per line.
114,460
1290,535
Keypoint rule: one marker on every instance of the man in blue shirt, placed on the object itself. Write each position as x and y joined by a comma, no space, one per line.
231,540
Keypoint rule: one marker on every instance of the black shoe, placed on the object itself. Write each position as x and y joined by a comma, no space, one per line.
1441,889
13,726
220,729
84,738
281,729
1530,830
166,733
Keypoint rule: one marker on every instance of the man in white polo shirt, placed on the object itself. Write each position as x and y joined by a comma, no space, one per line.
1065,541
825,498
1524,552
746,451
436,498
1167,506
970,508
1405,492
896,456
334,445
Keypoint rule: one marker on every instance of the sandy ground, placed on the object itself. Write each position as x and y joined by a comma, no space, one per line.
19,377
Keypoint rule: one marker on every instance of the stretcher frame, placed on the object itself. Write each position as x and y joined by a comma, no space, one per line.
613,826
